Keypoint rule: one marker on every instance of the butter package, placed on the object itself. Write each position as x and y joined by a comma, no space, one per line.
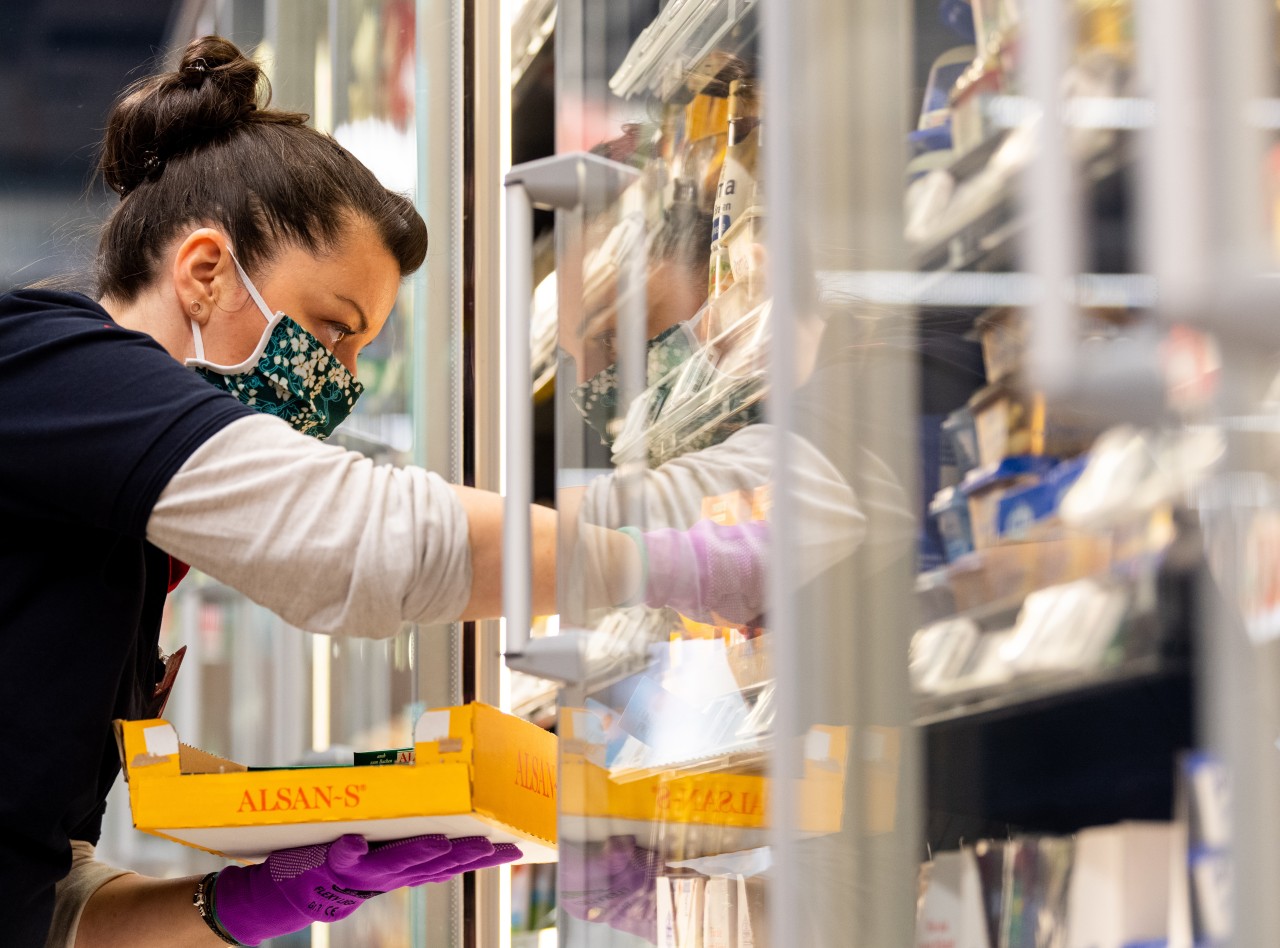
473,771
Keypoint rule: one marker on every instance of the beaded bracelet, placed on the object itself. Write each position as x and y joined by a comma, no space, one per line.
202,899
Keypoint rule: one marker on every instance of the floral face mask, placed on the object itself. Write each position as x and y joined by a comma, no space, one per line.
290,373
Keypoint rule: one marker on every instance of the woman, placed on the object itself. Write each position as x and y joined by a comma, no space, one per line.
120,463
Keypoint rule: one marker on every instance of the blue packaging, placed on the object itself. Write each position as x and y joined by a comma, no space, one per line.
958,16
1023,508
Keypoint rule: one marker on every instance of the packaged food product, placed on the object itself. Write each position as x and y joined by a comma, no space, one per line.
985,487
933,131
993,21
962,435
1013,570
971,96
1003,336
1011,421
738,174
1002,332
1033,506
958,15
706,136
1106,25
950,511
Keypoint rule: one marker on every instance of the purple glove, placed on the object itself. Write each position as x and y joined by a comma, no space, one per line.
296,887
611,884
709,572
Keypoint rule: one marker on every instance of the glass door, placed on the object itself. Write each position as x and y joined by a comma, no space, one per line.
911,458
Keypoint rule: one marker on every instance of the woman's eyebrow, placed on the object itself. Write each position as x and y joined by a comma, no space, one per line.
364,320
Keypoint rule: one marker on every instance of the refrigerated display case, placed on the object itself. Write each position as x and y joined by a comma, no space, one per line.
943,454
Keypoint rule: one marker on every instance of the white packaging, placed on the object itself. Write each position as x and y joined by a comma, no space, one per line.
753,926
1119,892
720,913
951,913
686,894
666,914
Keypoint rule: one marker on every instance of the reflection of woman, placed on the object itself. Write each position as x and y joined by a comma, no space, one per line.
120,465
716,446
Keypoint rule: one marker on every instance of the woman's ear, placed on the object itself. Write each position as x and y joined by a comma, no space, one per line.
203,273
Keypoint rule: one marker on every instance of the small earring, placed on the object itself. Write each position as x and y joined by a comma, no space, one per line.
195,307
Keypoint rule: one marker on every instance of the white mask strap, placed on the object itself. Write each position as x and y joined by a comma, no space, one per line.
195,332
253,293
253,290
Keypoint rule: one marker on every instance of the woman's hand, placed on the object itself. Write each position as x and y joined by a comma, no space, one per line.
292,889
296,887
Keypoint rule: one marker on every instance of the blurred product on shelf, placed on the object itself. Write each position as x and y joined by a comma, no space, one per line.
1113,886
1131,472
950,511
950,909
962,437
970,108
958,16
1033,507
1120,885
986,487
1201,899
1013,570
930,143
737,191
993,20
1106,25
1012,420
1067,628
533,903
738,176
684,48
706,139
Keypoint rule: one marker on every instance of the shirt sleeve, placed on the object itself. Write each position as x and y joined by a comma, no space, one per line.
321,536
96,417
75,890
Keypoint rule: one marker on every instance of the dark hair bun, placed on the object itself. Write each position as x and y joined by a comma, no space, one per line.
214,90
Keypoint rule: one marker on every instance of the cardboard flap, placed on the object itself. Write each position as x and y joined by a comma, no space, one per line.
192,760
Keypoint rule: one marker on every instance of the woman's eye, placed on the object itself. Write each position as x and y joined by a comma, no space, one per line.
339,332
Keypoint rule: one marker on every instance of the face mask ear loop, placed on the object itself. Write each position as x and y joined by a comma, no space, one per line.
195,333
253,290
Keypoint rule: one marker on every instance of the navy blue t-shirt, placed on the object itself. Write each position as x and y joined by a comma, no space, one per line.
94,421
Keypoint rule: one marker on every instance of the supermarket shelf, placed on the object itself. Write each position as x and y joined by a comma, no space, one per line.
530,34
686,48
987,240
1025,695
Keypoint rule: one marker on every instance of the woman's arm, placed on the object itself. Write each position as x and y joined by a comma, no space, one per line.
484,524
136,912
332,542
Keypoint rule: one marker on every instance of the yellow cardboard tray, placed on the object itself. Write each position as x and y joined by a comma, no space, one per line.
477,772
